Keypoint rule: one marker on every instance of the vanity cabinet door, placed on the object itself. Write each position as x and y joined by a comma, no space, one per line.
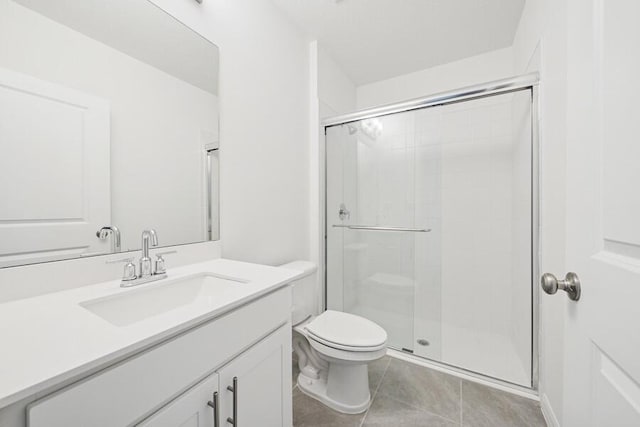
194,408
262,384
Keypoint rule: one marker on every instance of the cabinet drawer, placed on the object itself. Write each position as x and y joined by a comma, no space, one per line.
133,388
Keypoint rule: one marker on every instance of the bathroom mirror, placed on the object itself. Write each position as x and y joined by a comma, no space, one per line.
108,127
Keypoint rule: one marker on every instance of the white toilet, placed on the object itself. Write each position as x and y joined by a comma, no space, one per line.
333,348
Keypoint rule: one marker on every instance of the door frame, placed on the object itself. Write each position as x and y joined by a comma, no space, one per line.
530,82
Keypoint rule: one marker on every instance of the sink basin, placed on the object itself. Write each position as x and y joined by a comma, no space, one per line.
163,296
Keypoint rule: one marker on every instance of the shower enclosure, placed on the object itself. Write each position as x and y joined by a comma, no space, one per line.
431,212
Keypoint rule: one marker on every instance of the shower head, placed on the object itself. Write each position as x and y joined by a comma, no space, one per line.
372,128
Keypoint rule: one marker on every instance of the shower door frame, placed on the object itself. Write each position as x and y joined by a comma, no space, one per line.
498,87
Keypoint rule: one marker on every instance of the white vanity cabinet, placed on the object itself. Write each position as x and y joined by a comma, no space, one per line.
171,383
251,390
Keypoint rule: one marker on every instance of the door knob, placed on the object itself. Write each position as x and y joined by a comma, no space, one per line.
570,284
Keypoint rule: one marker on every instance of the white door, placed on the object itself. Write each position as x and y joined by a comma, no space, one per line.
54,170
195,408
262,384
602,329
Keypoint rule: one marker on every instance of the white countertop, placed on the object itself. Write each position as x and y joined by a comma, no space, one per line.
49,339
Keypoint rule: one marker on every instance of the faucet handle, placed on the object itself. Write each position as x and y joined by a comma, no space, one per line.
160,267
129,272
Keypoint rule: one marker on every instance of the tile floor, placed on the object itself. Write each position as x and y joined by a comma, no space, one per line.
408,395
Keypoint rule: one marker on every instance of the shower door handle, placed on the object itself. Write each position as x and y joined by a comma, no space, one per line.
571,285
377,228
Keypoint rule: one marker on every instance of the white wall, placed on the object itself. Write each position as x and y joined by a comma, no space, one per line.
335,88
476,69
156,121
264,119
540,45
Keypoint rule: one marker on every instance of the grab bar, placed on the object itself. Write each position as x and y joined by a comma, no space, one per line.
376,228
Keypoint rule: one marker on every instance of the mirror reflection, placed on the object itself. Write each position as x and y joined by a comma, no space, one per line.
108,127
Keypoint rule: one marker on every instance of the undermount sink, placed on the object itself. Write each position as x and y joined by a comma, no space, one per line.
160,297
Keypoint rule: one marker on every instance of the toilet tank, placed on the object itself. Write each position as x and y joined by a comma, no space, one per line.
305,290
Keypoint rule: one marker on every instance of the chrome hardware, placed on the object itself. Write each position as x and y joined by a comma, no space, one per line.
234,421
214,404
212,153
343,213
145,261
482,90
141,280
146,273
376,228
116,245
160,267
129,273
570,284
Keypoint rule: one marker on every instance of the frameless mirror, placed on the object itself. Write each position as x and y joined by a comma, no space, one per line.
108,127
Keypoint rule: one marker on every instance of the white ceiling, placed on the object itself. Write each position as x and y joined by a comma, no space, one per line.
377,39
139,29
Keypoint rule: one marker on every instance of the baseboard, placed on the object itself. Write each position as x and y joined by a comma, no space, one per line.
547,412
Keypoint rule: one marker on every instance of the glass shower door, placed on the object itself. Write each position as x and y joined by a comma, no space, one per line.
370,267
482,273
429,230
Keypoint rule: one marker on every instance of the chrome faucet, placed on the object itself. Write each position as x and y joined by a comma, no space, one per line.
146,268
147,272
115,240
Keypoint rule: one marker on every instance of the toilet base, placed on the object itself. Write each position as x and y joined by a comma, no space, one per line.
337,390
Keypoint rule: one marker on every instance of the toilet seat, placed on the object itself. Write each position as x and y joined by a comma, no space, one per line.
333,354
347,332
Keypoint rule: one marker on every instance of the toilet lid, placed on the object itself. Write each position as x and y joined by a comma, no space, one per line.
347,330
